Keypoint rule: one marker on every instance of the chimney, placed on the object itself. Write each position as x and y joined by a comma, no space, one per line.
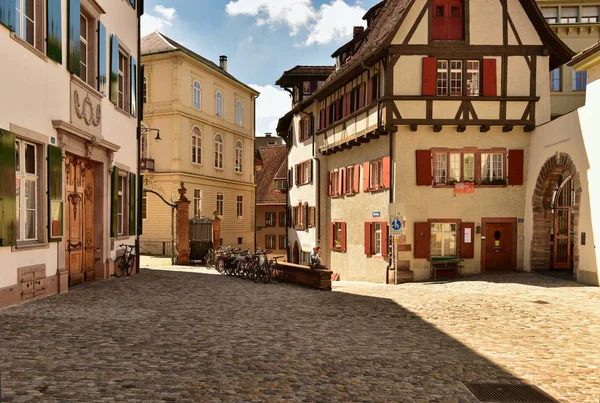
268,134
358,31
223,62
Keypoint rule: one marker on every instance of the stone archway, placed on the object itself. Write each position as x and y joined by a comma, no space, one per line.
541,243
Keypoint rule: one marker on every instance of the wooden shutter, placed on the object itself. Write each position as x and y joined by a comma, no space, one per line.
366,166
424,176
296,171
8,185
312,216
329,184
55,193
429,75
489,78
322,119
132,203
356,184
102,48
310,171
338,106
515,167
141,195
53,30
368,250
343,236
370,90
327,117
467,250
331,235
290,178
421,240
342,182
305,214
114,70
73,36
7,17
348,104
133,80
311,122
114,210
384,239
387,172
361,95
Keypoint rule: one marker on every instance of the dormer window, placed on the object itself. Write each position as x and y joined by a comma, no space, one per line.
447,21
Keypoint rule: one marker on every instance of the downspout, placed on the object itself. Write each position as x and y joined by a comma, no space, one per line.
318,185
140,97
255,185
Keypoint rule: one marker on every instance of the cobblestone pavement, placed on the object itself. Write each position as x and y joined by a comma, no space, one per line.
193,335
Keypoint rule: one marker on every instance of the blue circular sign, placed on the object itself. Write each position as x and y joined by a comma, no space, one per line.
396,225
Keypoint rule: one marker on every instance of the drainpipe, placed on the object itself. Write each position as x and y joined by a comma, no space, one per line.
255,187
140,90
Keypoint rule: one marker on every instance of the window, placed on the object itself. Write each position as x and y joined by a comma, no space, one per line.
144,205
376,174
469,167
349,180
282,219
219,104
456,77
473,78
197,203
121,211
304,173
305,129
355,99
282,242
443,239
579,80
377,239
335,180
296,94
332,111
122,80
280,184
271,242
220,204
240,240
197,91
555,79
550,14
271,220
375,88
450,75
239,156
589,14
218,151
447,21
454,168
299,217
145,91
492,167
568,15
196,146
442,77
240,207
238,113
25,26
83,46
337,235
27,191
306,88
441,168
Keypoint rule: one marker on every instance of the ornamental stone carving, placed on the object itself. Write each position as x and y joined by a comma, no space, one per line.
86,108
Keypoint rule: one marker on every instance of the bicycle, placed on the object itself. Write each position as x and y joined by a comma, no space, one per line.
124,263
209,259
276,273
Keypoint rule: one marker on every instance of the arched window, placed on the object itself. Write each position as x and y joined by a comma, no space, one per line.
218,151
219,104
197,95
145,91
196,146
144,145
238,113
239,156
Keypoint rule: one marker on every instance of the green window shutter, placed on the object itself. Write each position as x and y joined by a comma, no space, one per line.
141,195
8,186
114,70
102,58
54,30
73,41
114,202
132,203
55,192
133,79
7,13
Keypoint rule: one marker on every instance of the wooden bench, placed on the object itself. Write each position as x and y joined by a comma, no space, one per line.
304,275
445,263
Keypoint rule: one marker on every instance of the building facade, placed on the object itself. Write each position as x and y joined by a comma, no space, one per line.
68,142
577,24
206,122
428,119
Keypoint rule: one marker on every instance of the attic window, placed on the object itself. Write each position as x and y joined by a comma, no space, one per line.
447,22
280,184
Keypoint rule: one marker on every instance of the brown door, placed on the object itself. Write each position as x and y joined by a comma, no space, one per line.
296,254
498,247
562,238
79,245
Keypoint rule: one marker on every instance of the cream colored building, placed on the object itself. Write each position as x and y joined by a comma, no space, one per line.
206,122
67,142
577,23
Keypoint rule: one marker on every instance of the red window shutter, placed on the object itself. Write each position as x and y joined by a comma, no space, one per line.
467,250
348,104
368,251
386,172
361,95
384,239
424,176
343,236
421,240
489,78
329,174
366,176
338,106
370,91
331,235
342,181
327,111
515,167
356,185
429,75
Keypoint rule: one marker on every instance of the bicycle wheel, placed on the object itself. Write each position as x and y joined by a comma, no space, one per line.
276,273
120,266
220,266
130,264
265,273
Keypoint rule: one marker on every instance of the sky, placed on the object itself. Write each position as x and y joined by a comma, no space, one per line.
261,38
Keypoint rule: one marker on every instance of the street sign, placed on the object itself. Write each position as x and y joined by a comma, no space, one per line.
396,224
376,214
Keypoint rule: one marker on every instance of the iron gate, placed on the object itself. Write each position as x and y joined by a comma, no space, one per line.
201,241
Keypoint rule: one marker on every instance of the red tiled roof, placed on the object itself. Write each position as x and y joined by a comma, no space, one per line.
585,53
274,159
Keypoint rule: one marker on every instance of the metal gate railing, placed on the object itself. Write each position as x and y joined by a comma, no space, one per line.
201,230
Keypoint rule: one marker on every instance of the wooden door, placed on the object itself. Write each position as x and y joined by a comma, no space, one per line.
498,247
89,223
562,238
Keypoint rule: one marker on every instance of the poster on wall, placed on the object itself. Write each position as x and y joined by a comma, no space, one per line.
468,235
464,188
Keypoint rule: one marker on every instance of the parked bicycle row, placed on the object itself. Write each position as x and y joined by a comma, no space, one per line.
255,266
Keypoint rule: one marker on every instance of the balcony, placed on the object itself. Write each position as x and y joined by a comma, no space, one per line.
147,164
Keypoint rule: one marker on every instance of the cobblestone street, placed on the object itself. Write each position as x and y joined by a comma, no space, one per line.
194,335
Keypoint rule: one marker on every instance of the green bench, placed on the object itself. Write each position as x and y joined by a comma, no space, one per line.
445,263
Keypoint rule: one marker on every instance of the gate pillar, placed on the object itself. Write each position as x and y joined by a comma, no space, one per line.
216,230
183,228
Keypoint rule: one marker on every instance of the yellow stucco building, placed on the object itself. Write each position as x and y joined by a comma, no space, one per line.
206,122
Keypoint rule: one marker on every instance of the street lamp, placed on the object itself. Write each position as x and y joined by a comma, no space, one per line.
145,130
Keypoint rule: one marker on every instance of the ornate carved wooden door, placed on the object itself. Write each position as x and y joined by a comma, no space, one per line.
79,239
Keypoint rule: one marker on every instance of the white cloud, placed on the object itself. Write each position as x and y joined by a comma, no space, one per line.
159,19
294,13
335,22
271,105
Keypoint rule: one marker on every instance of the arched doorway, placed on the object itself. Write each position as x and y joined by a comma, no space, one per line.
555,203
296,253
